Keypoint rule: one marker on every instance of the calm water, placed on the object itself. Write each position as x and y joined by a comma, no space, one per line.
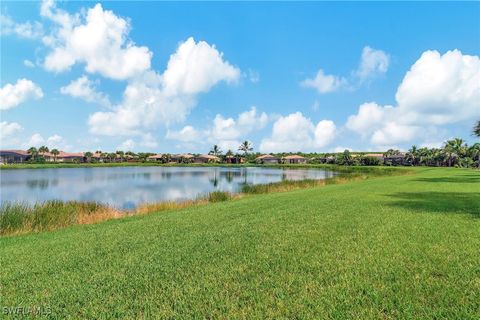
127,187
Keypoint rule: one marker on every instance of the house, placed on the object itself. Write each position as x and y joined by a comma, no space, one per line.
97,157
294,159
394,160
206,158
379,156
13,156
267,159
65,157
234,159
181,158
155,157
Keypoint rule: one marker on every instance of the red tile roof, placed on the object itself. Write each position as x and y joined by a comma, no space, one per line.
266,156
156,156
293,157
21,152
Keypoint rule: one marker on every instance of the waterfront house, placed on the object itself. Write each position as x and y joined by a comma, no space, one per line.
181,158
267,159
13,156
206,158
65,157
156,157
378,156
294,159
394,160
234,159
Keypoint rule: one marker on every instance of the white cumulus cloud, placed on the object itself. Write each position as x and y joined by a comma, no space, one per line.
441,89
295,132
11,95
126,145
324,83
9,130
84,89
373,62
169,97
29,30
196,67
96,37
28,63
437,90
186,134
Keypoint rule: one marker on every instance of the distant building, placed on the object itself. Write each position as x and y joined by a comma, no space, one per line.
294,159
234,159
205,158
13,156
379,156
267,159
64,157
180,158
394,160
155,157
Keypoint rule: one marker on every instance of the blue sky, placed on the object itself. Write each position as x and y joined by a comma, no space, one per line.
180,77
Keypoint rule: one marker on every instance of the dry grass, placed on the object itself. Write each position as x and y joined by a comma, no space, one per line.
101,214
166,205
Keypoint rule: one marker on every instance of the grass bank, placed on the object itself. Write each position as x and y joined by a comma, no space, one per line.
393,247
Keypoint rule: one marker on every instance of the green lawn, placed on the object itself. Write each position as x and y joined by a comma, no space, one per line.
398,247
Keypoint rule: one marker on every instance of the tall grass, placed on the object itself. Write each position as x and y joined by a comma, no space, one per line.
19,217
219,196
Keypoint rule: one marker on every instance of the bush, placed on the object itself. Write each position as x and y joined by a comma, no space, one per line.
370,161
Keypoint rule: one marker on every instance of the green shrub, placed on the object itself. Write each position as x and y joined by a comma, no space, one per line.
370,161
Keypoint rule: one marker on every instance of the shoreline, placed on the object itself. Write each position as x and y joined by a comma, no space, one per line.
226,165
17,218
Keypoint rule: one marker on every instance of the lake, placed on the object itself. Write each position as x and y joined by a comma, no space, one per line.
127,187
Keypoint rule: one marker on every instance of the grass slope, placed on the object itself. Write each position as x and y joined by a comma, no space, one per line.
400,247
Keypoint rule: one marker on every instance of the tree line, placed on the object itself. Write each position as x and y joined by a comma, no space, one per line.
454,153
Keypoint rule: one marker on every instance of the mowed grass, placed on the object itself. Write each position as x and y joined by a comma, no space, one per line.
399,247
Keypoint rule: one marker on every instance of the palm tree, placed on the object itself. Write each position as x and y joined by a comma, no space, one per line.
246,146
166,158
391,152
42,150
454,150
476,129
474,153
215,151
104,156
229,153
33,152
412,155
120,155
346,157
55,153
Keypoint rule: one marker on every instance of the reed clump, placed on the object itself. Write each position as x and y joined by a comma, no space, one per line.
219,196
20,217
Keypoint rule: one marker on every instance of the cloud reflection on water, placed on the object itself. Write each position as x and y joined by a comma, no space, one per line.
127,187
